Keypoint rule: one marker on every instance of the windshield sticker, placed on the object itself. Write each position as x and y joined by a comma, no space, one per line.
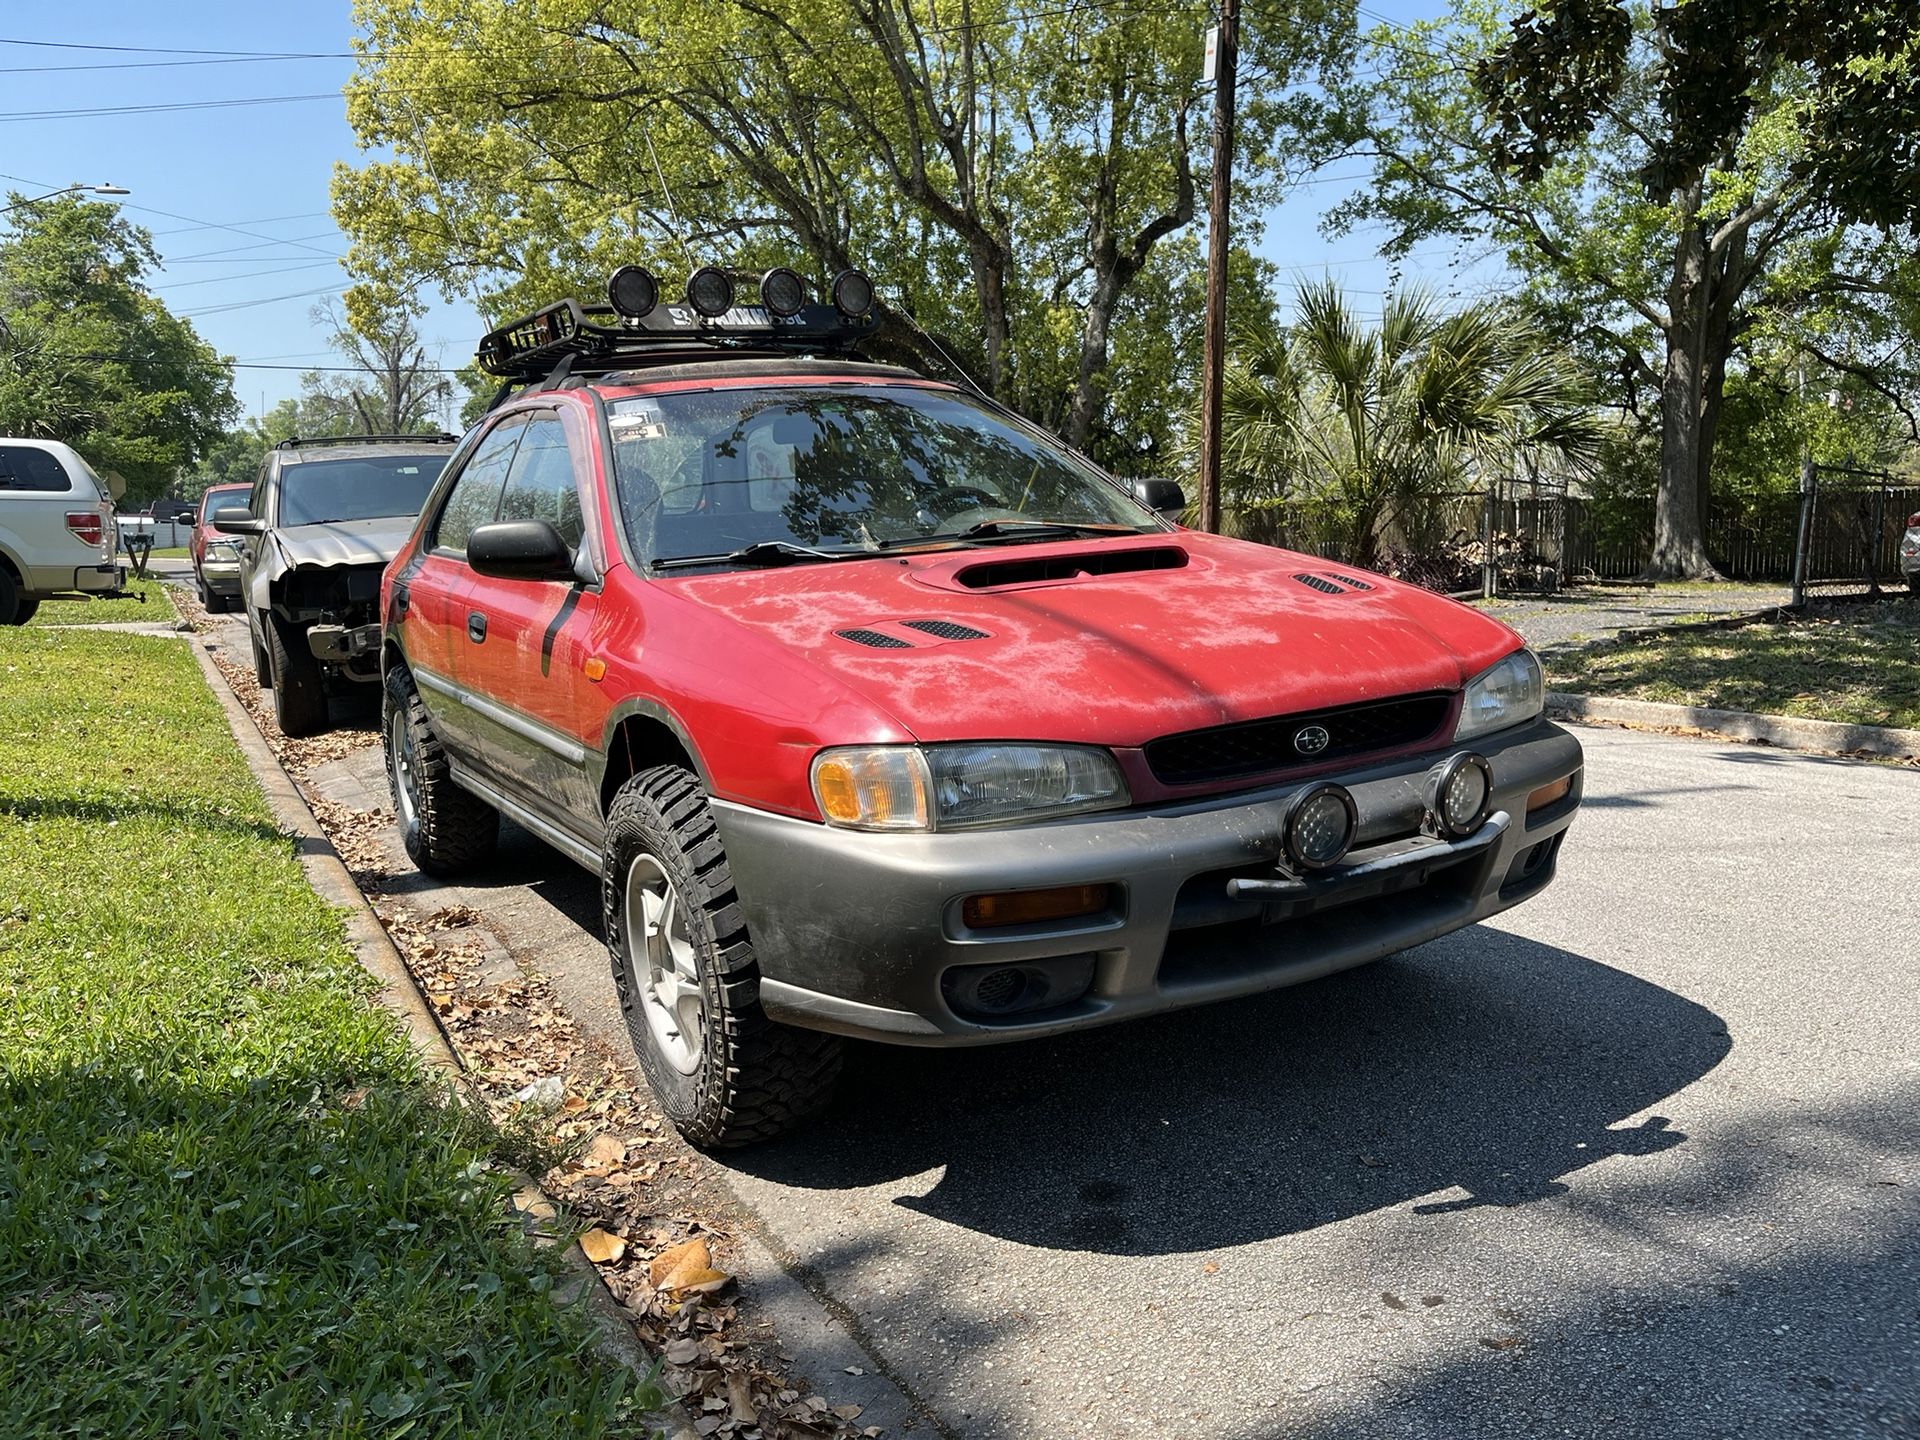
640,421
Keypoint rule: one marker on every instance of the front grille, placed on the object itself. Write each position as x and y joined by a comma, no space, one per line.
1259,747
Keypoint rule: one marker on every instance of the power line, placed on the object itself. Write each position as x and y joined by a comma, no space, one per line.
230,279
250,304
16,116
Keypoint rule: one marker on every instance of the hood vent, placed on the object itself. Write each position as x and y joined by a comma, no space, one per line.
874,639
1080,565
945,630
1333,584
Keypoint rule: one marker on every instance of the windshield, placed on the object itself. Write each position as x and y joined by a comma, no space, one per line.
367,487
220,500
841,467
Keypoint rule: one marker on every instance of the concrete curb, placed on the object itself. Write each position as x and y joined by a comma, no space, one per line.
1816,736
331,880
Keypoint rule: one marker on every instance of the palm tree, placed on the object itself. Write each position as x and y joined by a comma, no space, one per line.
1353,424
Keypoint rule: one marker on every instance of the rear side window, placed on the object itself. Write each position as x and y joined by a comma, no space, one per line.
540,485
22,467
475,497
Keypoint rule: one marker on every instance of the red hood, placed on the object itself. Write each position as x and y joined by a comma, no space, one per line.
1222,633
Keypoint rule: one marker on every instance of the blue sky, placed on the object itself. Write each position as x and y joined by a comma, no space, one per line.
236,196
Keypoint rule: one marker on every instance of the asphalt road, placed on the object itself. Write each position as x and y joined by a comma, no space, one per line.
1641,1158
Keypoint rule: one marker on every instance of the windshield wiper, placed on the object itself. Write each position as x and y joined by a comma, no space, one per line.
760,552
1013,530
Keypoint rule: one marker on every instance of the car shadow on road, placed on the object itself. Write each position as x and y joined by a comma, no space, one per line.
1482,1070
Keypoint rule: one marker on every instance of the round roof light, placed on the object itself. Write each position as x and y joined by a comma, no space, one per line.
852,293
710,291
633,291
783,292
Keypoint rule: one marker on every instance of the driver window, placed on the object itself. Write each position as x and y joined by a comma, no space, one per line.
540,483
475,496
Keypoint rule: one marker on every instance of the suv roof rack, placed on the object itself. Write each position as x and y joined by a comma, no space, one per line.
295,442
567,338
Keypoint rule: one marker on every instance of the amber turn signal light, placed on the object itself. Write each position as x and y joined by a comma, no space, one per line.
1034,907
1548,794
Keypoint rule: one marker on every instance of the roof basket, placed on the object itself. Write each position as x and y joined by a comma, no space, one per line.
568,338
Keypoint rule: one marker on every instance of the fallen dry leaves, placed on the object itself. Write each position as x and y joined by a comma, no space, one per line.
652,1212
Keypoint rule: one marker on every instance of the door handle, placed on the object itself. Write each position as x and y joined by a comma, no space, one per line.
476,626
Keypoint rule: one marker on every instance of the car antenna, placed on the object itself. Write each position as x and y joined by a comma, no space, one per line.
959,369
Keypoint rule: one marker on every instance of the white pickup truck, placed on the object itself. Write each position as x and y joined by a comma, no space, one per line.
57,531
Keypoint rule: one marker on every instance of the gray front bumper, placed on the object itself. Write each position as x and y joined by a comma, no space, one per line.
853,931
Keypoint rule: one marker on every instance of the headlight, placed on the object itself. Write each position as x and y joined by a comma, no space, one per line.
951,787
1506,694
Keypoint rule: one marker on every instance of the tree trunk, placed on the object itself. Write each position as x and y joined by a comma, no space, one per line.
1090,386
1679,527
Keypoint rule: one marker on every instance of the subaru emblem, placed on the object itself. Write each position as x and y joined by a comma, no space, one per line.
1311,739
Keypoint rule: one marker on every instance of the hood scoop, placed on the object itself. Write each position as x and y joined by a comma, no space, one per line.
1080,565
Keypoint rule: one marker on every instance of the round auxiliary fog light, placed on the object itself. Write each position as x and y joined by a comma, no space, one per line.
852,293
710,291
1320,827
783,292
632,291
1462,794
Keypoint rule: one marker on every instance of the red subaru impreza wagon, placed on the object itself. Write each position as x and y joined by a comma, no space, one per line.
880,713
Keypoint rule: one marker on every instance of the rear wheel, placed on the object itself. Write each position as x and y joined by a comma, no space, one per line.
446,829
299,697
689,984
25,610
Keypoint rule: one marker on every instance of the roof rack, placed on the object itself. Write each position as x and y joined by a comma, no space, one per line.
296,442
568,338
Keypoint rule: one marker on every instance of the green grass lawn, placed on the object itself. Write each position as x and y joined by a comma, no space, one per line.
1856,664
159,607
230,1203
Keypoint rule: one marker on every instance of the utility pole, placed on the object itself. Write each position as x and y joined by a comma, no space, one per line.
1214,356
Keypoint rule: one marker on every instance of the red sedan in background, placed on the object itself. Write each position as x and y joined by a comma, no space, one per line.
216,558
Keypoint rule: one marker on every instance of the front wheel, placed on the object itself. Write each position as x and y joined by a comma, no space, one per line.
446,829
299,695
14,610
689,985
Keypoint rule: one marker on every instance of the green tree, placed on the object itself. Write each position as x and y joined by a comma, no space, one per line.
89,357
1366,423
1011,181
1674,237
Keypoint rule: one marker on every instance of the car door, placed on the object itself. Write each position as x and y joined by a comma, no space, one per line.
519,657
438,583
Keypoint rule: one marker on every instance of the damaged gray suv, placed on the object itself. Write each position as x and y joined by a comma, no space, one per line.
321,522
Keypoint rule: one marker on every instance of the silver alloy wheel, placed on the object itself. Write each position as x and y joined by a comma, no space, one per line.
400,756
660,959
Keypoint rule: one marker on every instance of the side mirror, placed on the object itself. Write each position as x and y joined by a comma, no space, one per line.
235,520
520,550
1164,496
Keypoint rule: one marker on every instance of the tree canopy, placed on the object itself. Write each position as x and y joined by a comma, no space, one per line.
1019,185
89,357
1678,236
